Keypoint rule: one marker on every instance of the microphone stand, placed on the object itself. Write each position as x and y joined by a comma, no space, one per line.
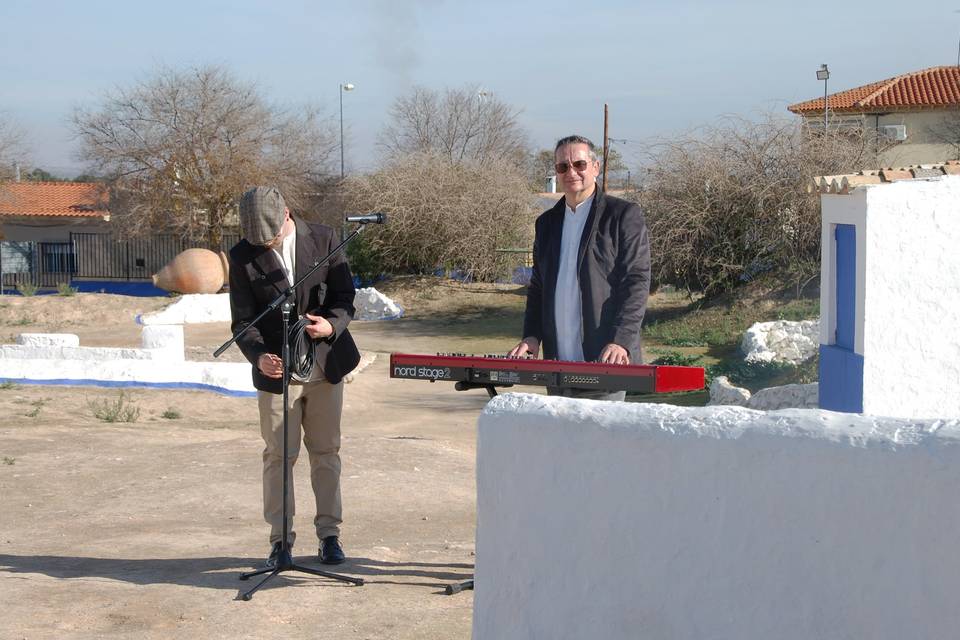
285,559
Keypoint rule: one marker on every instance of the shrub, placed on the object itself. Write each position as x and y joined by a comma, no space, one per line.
122,409
37,408
673,358
729,203
171,414
27,288
365,261
64,289
442,215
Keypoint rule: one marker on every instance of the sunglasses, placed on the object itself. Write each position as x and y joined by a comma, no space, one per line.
563,167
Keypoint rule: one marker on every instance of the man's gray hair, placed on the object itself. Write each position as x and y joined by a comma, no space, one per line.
575,139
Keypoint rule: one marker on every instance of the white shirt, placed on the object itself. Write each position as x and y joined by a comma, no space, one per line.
567,312
288,254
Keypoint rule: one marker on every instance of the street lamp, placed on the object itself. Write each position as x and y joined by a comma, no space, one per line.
343,87
824,74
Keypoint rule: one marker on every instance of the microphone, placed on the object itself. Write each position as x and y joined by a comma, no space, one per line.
370,218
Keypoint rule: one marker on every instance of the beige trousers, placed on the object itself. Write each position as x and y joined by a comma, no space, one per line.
314,415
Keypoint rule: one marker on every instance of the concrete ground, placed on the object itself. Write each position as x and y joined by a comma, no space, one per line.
140,529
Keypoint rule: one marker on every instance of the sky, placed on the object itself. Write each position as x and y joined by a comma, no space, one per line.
662,67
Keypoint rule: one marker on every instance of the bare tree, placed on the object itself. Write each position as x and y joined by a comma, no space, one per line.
460,124
182,146
445,214
11,147
727,204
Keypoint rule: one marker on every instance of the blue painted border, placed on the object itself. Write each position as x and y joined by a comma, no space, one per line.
841,379
125,288
85,382
134,289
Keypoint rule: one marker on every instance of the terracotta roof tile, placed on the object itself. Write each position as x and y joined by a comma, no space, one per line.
843,184
929,88
54,199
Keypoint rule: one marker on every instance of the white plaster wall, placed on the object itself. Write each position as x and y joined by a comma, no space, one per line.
191,308
48,339
227,377
618,520
912,310
49,231
42,359
83,353
165,338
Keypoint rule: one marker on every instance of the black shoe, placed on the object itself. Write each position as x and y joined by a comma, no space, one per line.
330,551
275,553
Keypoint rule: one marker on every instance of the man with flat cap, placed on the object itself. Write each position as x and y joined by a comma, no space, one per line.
274,250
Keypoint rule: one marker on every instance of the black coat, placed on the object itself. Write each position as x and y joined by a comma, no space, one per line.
257,277
613,266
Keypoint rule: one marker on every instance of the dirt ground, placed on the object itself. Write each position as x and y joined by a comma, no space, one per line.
141,529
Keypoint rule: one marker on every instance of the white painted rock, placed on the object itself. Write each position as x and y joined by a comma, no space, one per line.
781,341
373,305
790,396
48,340
722,392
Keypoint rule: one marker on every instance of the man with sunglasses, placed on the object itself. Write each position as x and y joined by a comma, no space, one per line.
591,273
275,249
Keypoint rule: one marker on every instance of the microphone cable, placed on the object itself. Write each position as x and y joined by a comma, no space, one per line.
302,347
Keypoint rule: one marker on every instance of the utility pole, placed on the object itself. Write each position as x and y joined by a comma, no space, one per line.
606,145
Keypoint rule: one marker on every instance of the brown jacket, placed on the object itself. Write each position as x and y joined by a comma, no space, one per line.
257,277
613,266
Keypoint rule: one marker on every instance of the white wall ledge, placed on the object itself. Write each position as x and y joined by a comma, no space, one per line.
619,520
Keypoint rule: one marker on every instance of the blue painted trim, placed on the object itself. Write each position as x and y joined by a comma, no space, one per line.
841,379
86,382
137,289
846,280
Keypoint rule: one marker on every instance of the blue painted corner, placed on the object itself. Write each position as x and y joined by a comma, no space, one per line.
841,379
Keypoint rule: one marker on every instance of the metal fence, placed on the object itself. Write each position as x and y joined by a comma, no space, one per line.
90,256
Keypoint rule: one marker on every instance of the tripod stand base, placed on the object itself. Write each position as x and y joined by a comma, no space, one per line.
285,563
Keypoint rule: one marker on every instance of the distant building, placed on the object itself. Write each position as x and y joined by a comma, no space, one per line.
913,118
36,223
49,211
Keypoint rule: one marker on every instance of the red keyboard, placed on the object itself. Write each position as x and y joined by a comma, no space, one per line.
501,371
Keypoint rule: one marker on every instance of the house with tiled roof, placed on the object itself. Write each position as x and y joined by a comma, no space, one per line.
914,117
36,223
50,211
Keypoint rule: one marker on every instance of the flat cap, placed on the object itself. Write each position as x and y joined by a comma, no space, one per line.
262,211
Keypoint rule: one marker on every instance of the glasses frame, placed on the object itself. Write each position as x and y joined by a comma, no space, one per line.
577,165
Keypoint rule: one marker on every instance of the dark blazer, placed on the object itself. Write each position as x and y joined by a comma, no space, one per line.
614,271
257,277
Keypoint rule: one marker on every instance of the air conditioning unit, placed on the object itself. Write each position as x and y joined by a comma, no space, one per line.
894,132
